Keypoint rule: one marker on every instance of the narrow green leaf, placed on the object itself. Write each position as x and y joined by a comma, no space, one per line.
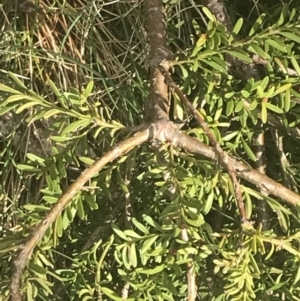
80,209
259,51
229,136
89,88
147,244
248,206
264,113
5,88
61,139
282,89
17,97
150,221
229,107
277,286
35,158
245,93
208,14
133,257
277,45
59,226
240,55
287,100
208,203
54,88
292,36
236,29
260,92
131,233
28,168
6,109
184,72
152,271
210,43
17,80
120,181
214,65
111,294
38,208
76,125
45,285
284,13
51,113
257,24
273,108
292,14
125,257
29,291
280,64
263,84
295,65
282,220
118,232
140,226
65,220
26,106
50,199
253,105
86,160
239,106
91,202
248,150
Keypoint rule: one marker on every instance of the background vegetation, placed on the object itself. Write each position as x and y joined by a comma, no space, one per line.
74,77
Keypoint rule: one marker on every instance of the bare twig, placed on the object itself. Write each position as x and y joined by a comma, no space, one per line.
222,155
243,71
260,165
190,273
286,178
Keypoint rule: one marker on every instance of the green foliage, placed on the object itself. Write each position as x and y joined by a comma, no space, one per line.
84,90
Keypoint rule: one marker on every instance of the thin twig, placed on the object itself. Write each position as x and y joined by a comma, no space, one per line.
190,273
222,155
260,165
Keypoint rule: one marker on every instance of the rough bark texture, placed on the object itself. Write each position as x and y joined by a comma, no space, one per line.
157,105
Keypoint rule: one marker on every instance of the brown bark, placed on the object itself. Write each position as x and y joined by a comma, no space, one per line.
157,105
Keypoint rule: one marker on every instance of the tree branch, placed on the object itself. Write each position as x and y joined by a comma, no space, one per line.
222,155
157,105
26,251
263,182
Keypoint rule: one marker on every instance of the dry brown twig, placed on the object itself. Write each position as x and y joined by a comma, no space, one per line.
222,155
244,71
